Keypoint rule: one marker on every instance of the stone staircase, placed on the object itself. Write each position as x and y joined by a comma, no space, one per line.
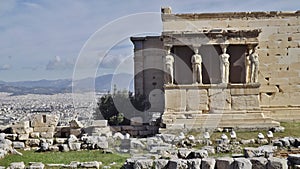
239,120
283,114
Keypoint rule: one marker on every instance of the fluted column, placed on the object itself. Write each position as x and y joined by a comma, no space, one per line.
196,65
224,64
169,66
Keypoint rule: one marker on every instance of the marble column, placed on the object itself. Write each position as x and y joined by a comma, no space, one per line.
248,64
224,64
169,65
196,65
254,65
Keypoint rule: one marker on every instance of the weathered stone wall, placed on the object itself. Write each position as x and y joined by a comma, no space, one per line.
210,106
278,49
148,69
211,97
136,131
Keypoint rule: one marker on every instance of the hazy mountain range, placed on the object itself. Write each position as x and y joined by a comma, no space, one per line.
100,84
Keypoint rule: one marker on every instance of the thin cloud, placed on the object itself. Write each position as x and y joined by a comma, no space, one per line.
58,64
32,5
5,67
30,68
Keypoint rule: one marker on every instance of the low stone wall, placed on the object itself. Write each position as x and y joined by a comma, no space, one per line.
136,131
41,125
42,134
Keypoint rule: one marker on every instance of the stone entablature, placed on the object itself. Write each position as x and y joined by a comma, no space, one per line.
232,15
211,37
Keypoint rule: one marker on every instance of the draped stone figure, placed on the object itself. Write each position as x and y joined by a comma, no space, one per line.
254,66
197,69
224,65
169,62
247,66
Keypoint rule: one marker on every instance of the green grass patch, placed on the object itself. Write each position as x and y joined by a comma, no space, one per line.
66,157
292,129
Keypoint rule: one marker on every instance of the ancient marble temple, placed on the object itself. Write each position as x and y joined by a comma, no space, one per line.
229,70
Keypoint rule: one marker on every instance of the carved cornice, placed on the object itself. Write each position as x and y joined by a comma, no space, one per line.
212,37
214,86
228,15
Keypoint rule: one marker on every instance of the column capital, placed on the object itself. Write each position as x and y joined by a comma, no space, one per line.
168,46
168,49
196,48
251,47
224,47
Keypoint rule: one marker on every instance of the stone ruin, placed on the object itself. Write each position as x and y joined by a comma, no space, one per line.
220,70
229,70
42,133
169,151
159,151
211,71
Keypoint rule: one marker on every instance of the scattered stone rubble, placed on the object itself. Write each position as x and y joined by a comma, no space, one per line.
42,134
73,164
212,163
175,151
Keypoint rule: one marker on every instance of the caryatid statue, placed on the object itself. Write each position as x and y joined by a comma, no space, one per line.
169,62
248,64
254,66
224,64
196,64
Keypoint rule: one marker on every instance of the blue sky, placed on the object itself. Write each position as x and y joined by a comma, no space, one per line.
42,39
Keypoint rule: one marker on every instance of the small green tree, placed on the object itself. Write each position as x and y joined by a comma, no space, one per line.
110,105
116,120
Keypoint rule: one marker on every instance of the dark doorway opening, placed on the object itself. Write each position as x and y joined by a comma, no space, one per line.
210,64
183,66
237,63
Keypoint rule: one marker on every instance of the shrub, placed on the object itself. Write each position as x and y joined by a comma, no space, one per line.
120,106
117,119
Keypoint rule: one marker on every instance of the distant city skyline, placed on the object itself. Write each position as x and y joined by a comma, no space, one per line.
43,39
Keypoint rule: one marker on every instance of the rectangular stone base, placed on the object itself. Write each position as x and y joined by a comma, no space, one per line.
283,114
239,120
207,97
201,106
